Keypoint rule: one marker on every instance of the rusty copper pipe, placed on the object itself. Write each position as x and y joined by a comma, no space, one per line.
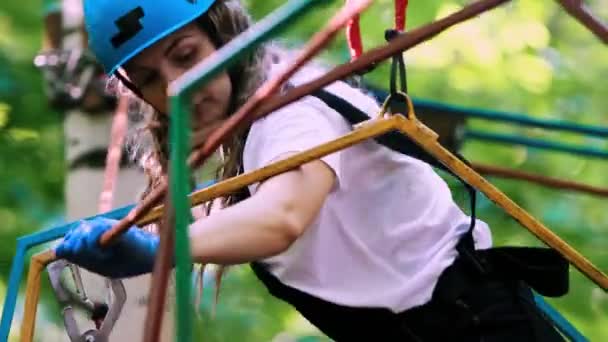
577,10
551,182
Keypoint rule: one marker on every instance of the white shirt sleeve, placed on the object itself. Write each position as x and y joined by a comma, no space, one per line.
295,128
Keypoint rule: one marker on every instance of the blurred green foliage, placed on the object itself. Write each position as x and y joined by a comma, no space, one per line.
31,141
528,56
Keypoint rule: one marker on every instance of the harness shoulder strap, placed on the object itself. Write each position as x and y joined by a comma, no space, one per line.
393,140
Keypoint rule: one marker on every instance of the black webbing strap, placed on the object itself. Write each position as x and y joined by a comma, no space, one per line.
398,69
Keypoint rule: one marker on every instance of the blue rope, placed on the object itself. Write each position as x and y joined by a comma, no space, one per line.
502,116
516,118
24,244
560,322
536,143
27,242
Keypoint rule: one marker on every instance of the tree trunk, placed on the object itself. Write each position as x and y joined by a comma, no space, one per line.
89,132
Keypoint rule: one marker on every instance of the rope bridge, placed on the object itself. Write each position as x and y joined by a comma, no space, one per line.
174,213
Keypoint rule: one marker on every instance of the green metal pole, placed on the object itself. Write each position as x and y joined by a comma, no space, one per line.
180,148
180,91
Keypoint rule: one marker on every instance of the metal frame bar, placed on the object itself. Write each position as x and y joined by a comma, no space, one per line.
418,133
521,119
511,139
24,244
427,139
549,182
179,172
579,11
559,321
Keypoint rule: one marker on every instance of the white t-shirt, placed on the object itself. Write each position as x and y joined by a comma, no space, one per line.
388,228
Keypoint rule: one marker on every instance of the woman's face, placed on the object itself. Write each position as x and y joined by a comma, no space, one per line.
153,69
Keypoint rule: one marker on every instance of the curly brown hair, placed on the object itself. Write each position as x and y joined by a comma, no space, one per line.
224,21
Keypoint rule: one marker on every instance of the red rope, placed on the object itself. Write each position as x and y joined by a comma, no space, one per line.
353,29
353,36
110,176
400,14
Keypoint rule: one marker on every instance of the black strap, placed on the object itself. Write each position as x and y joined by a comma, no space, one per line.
393,140
398,69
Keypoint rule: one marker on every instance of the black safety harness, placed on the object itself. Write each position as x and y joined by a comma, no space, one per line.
541,268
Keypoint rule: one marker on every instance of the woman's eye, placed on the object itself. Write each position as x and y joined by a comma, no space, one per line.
184,57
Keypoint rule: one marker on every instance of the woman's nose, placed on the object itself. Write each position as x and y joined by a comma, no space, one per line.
168,74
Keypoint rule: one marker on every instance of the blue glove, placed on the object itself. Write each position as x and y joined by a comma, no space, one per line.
131,254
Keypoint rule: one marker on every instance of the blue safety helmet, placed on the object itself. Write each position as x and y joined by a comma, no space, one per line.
120,29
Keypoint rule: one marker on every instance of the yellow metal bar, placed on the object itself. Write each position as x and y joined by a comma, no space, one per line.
40,261
32,293
364,132
427,139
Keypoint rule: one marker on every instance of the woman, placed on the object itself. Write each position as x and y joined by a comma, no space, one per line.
364,242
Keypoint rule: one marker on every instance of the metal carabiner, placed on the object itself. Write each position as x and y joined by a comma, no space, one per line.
70,301
398,103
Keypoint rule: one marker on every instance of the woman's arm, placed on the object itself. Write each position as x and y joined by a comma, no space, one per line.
267,223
